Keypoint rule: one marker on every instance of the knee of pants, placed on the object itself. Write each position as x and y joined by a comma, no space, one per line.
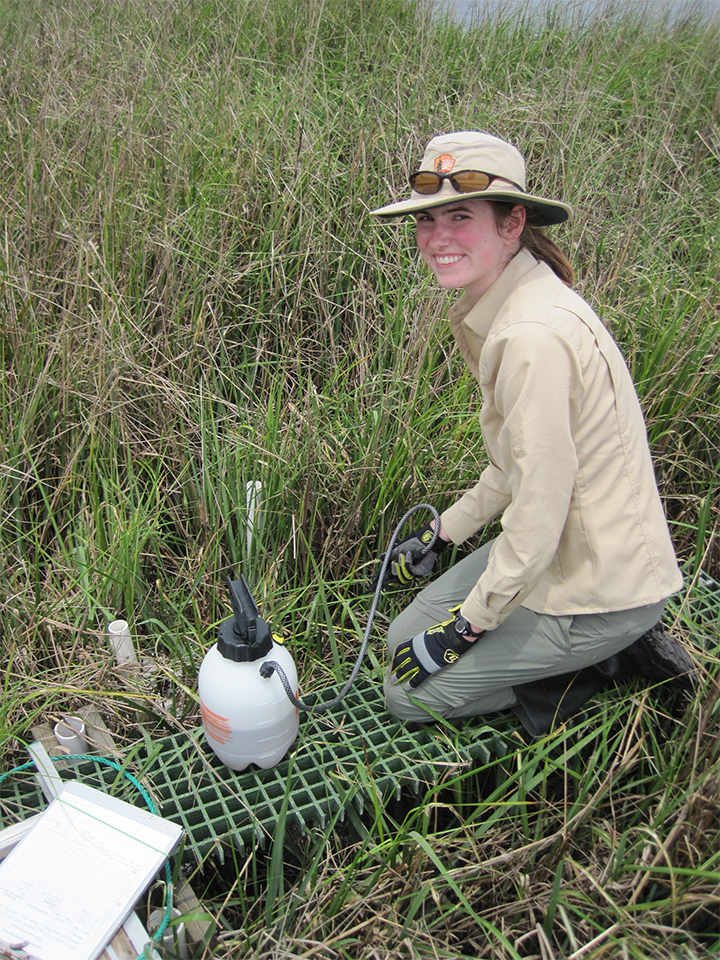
399,704
395,701
394,635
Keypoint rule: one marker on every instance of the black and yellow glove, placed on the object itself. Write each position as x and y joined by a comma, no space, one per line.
417,659
412,560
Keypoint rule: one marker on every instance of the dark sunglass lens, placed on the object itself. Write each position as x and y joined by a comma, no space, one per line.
425,182
468,181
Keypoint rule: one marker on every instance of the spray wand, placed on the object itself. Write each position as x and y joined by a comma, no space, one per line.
271,666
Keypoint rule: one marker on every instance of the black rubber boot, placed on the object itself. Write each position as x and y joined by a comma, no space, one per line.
546,703
656,656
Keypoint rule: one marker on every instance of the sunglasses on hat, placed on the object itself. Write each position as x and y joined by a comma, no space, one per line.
428,182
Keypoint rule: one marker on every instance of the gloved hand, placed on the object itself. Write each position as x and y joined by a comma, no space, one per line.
416,659
411,560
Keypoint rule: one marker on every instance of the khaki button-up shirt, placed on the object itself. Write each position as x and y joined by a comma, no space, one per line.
583,529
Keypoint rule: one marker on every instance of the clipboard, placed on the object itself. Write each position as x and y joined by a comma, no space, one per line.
72,881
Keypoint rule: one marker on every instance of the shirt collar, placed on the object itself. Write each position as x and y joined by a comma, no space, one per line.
480,315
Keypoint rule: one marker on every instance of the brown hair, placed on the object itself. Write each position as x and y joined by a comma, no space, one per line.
534,239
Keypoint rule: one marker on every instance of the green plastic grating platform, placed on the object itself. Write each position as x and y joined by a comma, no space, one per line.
339,759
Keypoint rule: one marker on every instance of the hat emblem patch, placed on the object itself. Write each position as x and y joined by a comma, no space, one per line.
444,163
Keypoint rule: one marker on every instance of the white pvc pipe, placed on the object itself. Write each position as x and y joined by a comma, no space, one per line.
121,642
173,938
70,734
253,489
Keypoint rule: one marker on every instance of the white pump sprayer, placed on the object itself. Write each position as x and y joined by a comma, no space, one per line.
247,717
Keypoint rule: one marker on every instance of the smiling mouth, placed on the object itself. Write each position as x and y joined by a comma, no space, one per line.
447,260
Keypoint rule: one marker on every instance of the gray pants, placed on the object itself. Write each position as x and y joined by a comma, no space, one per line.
526,646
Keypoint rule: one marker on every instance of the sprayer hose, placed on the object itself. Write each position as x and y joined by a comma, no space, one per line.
272,666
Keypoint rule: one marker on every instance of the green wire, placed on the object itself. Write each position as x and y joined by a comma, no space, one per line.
152,808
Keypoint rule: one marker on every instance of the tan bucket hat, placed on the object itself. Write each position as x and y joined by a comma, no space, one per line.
453,153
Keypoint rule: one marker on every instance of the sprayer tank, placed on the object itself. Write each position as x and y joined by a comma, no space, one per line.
247,719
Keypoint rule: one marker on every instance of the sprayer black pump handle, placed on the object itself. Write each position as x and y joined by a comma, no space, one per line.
244,608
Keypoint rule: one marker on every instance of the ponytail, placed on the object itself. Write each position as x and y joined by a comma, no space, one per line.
543,248
534,239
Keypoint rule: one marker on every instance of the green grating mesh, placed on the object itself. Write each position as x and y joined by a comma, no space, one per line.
345,757
339,758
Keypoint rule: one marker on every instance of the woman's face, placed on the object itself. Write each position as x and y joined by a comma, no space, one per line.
463,246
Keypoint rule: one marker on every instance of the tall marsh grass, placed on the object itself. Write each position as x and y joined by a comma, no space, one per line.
193,296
